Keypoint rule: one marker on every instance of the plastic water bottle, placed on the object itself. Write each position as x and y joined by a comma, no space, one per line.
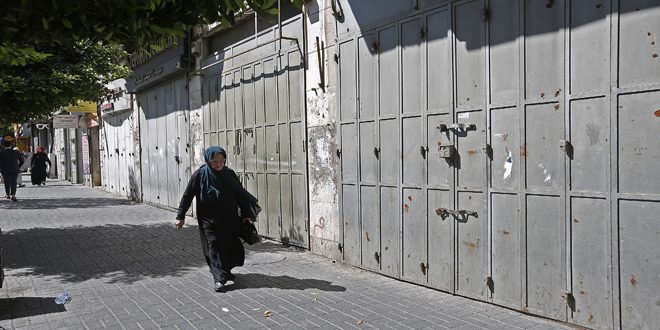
63,298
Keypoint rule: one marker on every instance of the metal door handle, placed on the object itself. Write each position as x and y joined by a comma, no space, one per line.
443,212
457,126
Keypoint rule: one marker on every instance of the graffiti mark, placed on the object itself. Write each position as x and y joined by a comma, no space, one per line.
321,224
502,135
546,173
508,165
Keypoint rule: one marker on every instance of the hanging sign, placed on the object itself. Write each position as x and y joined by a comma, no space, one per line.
65,121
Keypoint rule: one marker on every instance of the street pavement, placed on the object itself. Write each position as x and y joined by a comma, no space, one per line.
127,267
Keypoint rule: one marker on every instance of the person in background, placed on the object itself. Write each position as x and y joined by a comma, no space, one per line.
10,164
38,167
19,181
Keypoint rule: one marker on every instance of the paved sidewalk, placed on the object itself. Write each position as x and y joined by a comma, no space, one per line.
126,267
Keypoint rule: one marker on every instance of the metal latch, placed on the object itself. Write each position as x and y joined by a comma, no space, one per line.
446,151
457,126
567,147
377,152
423,150
570,300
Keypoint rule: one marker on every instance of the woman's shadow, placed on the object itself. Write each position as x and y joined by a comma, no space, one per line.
284,282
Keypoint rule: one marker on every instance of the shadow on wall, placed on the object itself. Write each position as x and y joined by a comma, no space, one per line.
133,185
470,17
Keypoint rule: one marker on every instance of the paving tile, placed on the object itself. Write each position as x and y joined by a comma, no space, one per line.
126,266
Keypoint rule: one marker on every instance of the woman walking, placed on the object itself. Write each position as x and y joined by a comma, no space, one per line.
219,195
38,172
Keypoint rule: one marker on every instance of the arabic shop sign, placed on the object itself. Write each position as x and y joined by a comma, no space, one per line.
154,73
152,49
66,121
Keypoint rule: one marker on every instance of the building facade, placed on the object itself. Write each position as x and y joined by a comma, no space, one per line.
500,151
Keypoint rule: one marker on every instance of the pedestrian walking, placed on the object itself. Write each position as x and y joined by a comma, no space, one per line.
219,196
10,164
38,170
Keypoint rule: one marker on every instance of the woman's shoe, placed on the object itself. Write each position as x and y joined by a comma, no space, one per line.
218,286
14,198
7,197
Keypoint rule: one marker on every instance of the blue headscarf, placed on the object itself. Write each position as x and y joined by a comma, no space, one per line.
210,185
210,178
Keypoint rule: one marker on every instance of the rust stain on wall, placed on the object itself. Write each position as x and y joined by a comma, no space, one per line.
657,113
558,92
410,198
505,232
523,151
366,233
471,245
633,281
405,207
472,152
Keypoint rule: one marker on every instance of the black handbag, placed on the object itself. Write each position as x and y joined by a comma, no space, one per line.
248,232
248,208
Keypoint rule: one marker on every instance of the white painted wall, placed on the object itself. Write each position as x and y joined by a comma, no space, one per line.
325,226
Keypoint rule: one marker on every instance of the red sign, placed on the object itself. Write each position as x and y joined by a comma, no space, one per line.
107,106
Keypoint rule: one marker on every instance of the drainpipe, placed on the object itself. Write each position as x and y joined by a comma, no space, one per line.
279,24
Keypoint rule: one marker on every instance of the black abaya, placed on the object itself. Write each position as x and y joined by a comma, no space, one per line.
38,171
218,227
